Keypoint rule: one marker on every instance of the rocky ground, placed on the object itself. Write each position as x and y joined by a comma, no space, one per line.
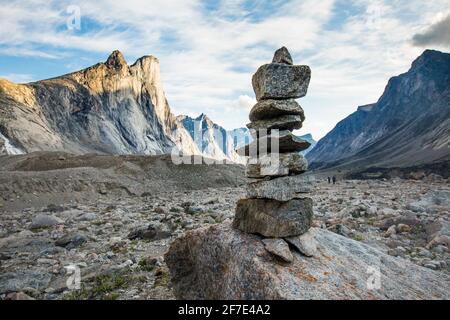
118,240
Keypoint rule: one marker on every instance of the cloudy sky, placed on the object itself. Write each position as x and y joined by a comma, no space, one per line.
209,49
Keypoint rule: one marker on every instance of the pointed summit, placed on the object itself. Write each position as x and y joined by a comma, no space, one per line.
283,56
202,117
116,60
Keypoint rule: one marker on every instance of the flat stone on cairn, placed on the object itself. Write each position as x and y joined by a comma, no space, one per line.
267,109
286,122
287,142
277,206
281,189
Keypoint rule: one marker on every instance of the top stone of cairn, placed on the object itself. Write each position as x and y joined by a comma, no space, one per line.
283,56
281,80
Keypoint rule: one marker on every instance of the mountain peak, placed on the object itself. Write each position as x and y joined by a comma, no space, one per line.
116,60
430,56
202,117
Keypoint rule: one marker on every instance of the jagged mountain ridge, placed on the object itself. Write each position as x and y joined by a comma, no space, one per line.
408,126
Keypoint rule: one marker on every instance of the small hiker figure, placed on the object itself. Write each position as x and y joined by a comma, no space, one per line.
329,180
334,180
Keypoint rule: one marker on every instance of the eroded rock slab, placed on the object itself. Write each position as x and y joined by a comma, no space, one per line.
220,262
272,218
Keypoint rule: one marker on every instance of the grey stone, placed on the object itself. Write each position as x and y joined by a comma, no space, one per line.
272,218
410,220
4,256
416,207
276,165
287,142
21,280
306,243
71,241
267,109
281,189
2,152
222,263
343,230
44,221
437,228
279,248
153,232
285,122
438,197
18,296
281,81
282,55
54,208
88,216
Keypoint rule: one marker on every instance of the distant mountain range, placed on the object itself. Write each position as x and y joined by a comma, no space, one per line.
408,126
114,108
211,139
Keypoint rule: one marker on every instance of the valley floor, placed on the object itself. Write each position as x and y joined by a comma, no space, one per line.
117,240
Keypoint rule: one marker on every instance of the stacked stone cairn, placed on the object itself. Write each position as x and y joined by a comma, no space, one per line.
277,206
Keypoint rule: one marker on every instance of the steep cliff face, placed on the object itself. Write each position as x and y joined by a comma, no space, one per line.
409,125
108,108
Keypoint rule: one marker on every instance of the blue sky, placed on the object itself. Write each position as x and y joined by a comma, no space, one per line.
209,49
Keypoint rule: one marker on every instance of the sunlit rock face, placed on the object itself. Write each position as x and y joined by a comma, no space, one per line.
110,107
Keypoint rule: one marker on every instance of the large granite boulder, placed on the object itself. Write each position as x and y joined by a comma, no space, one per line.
272,218
281,81
220,262
268,109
